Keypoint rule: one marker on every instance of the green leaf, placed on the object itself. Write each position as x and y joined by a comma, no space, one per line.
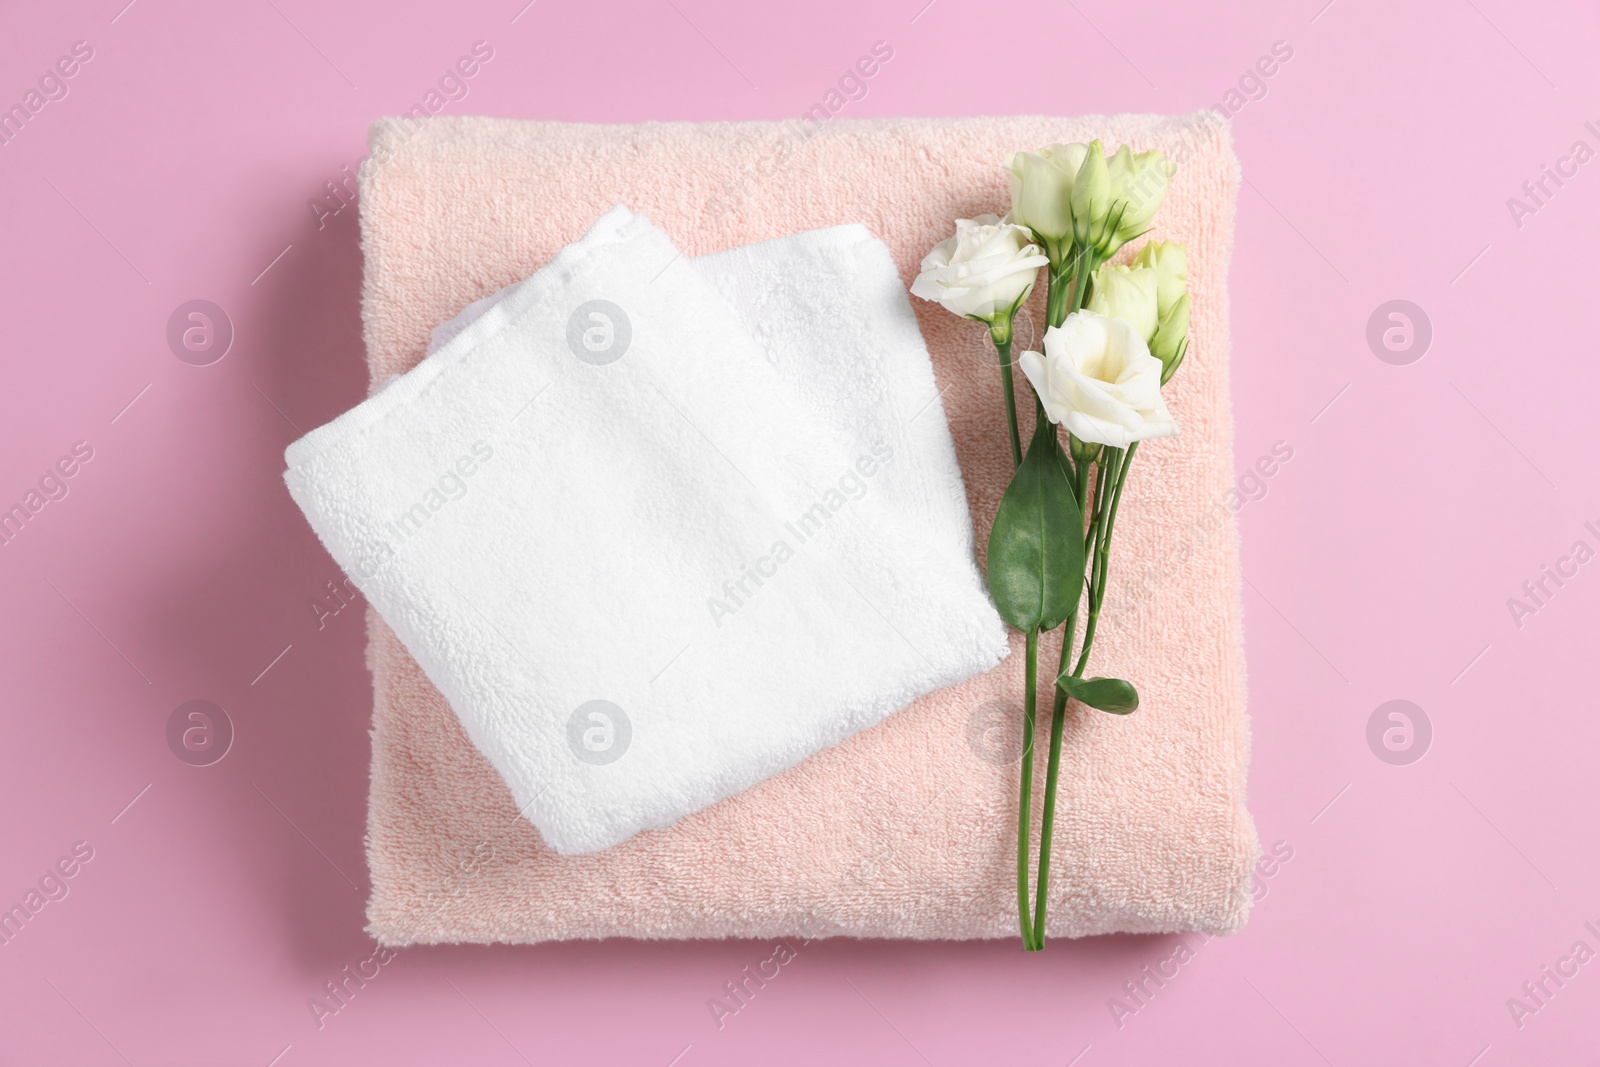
1036,545
1106,694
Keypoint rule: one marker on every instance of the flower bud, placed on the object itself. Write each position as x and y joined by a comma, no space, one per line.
1138,185
1041,190
1167,259
1091,195
1129,294
1171,338
1082,451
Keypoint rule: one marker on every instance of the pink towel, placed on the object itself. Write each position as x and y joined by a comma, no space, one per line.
906,830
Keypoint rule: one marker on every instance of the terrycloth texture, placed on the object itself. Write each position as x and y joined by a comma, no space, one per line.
834,322
645,584
907,829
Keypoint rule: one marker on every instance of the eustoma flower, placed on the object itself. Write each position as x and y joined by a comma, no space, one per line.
1114,335
1041,193
1097,378
1082,206
984,272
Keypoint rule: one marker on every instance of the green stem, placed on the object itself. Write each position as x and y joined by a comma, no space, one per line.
1030,695
1004,350
1025,803
1061,301
1068,285
1058,720
1103,554
1107,476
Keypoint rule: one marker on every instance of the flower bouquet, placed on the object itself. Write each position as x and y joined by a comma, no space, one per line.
1114,335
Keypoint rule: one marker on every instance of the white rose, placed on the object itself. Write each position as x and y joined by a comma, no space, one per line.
984,272
1129,294
1097,378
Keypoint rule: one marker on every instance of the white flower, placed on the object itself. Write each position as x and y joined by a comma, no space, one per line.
1097,378
1129,294
1041,189
984,272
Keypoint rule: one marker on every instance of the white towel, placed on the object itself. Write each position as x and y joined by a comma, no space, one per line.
831,315
644,572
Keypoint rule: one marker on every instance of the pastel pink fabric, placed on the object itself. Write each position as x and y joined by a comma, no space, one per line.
909,829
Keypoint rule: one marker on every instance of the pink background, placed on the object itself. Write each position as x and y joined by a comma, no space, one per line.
1418,499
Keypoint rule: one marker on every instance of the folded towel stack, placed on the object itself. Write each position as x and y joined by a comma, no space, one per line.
643,573
907,829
